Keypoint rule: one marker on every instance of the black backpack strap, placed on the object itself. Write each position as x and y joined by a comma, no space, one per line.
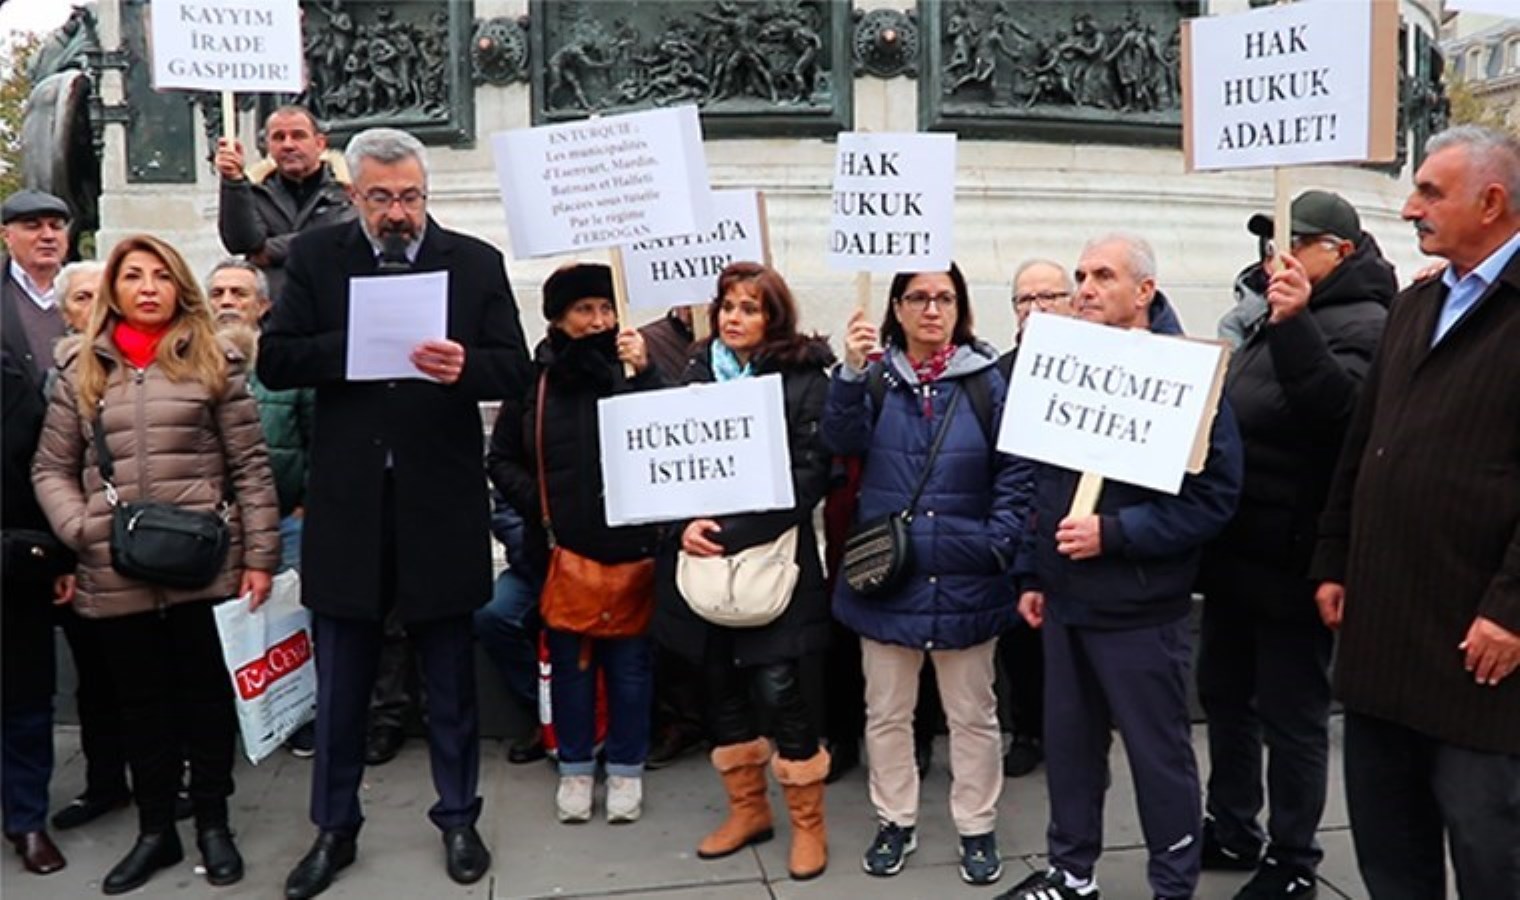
876,388
980,396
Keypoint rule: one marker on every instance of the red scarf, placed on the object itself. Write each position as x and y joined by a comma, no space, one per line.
138,346
930,370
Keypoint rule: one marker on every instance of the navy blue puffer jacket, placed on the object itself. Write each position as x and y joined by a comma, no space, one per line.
967,523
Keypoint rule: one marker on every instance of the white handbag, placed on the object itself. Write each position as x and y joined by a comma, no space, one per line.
743,590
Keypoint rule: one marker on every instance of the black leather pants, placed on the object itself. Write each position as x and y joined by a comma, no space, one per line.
741,703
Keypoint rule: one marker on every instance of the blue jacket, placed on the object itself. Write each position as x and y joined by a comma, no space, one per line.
966,528
1152,541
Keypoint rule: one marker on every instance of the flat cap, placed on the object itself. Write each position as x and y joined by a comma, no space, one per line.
30,204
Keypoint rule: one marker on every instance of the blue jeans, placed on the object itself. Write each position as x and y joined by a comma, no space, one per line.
626,667
26,768
507,629
290,542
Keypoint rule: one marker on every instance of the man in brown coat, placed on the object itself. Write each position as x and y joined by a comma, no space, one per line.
1419,549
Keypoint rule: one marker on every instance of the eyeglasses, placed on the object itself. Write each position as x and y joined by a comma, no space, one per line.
919,301
1300,241
380,198
1043,299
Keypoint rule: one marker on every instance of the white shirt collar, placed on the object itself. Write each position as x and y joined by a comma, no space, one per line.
45,299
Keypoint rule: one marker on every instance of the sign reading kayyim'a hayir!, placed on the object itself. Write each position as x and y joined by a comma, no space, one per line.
603,182
704,450
1293,84
894,203
243,46
683,269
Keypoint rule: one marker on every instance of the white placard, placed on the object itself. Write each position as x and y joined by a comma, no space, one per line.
228,45
683,270
388,316
1291,84
894,203
1120,402
702,450
600,182
1502,8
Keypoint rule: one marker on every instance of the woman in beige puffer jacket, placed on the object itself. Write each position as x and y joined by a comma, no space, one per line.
174,409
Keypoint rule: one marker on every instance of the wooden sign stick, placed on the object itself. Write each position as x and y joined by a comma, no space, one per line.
1282,215
701,328
229,116
1085,501
620,297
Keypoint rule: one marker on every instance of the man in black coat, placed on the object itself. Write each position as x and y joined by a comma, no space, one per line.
36,239
1419,547
1264,665
396,512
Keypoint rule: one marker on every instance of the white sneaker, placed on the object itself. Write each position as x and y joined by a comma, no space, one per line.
625,799
573,799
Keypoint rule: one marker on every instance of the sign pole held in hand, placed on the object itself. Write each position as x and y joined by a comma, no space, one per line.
1085,501
1282,217
229,115
620,298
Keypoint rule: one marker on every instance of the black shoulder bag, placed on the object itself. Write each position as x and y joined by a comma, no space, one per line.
160,542
878,553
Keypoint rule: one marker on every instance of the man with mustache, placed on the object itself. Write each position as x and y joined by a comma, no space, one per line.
293,190
396,505
1419,547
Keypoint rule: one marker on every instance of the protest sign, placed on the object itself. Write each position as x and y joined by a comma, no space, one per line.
1122,403
1293,84
894,203
682,270
703,450
603,182
228,45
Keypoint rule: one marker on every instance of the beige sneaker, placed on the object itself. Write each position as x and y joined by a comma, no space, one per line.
625,799
573,799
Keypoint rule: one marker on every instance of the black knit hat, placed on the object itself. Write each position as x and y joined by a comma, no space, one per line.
572,282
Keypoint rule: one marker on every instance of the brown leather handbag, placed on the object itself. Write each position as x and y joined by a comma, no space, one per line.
581,595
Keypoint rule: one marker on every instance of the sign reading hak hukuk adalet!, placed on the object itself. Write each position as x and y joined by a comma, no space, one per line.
239,46
602,182
1294,84
703,450
1122,403
682,270
894,203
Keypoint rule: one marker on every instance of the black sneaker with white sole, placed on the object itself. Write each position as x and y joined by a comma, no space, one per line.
980,863
889,849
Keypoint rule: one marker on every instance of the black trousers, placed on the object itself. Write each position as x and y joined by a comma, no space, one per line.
1265,681
1410,795
176,704
739,700
101,731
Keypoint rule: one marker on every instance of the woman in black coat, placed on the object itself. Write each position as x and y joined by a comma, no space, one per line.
580,362
754,323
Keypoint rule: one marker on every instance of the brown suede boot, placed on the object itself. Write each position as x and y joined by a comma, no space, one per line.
742,768
802,780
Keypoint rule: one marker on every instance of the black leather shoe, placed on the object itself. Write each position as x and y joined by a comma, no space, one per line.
224,865
527,749
38,852
87,808
382,744
331,854
465,854
151,853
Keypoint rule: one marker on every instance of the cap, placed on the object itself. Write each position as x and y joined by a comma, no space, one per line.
572,282
30,204
1314,212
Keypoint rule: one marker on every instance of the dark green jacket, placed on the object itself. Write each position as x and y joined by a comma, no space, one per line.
286,417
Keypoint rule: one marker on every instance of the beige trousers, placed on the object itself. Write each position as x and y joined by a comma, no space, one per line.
976,745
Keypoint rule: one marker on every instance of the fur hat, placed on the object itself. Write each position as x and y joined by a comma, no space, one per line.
573,282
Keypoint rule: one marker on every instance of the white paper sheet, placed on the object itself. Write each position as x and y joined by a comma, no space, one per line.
388,316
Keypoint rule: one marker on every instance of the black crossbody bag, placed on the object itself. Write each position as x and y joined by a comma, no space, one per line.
159,542
878,553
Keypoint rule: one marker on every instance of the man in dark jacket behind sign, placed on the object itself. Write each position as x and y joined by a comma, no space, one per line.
1264,668
1111,591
